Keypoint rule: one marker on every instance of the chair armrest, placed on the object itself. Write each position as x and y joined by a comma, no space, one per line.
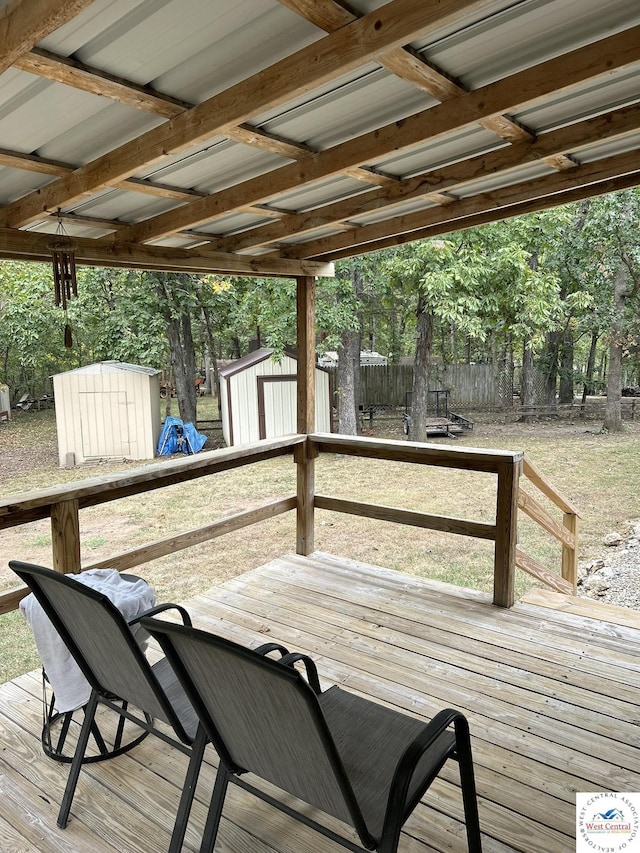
398,806
309,665
160,608
266,648
289,659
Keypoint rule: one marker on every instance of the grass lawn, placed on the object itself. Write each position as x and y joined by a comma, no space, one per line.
596,472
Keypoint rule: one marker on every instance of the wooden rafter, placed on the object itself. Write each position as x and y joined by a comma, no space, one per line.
45,166
392,25
35,246
23,23
405,63
588,176
509,93
552,145
71,72
495,215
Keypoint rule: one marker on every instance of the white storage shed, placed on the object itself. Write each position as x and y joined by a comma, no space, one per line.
5,403
258,398
108,410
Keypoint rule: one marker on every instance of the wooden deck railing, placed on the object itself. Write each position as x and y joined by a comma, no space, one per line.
62,504
566,533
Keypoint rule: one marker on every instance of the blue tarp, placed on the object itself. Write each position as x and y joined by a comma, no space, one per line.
177,437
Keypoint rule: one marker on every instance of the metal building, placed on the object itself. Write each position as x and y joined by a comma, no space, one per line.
258,398
107,410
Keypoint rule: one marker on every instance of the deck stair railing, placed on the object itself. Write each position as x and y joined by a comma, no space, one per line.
566,532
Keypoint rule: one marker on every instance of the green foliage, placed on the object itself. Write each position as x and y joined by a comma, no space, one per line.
489,289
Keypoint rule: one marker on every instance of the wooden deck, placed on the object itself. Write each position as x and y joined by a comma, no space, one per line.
551,695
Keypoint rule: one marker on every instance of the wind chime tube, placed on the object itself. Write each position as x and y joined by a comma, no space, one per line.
64,275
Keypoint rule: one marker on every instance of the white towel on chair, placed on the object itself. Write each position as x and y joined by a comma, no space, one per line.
67,681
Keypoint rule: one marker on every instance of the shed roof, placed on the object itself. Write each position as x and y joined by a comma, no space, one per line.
276,136
105,367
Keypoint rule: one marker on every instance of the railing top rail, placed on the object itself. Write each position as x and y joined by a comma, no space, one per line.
547,488
467,458
95,490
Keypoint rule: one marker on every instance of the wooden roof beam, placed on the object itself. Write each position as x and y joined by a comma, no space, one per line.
359,240
391,25
552,145
23,23
44,166
519,89
485,217
33,246
71,72
404,62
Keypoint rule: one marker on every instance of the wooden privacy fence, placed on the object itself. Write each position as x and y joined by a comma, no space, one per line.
470,385
62,504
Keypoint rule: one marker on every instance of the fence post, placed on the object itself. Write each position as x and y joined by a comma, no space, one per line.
65,536
570,553
506,532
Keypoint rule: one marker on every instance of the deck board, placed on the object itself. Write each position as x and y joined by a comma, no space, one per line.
550,693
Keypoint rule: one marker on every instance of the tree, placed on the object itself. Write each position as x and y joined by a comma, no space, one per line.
32,329
608,254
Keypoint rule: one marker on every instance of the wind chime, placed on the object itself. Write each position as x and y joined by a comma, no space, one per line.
64,275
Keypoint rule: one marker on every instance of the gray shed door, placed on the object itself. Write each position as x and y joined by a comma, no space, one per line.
104,423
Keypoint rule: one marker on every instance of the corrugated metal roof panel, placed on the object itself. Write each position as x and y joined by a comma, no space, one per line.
112,367
413,206
310,196
118,204
361,103
247,37
14,183
525,34
494,182
616,90
468,142
215,167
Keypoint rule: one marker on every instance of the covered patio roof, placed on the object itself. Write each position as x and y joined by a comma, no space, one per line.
273,137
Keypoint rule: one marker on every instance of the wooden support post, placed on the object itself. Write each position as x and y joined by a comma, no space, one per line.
306,353
570,554
65,536
504,566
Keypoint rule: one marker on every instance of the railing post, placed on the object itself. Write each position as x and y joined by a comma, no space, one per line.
306,352
65,536
570,554
504,567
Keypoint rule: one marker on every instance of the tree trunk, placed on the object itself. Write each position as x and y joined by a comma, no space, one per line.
565,395
527,382
549,360
182,354
613,408
589,386
420,388
348,372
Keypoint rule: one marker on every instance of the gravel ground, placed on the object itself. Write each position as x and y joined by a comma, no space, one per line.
615,576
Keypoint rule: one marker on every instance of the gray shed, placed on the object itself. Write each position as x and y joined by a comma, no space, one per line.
258,398
107,410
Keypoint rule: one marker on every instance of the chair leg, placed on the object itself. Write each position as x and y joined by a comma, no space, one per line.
188,791
76,764
215,809
468,785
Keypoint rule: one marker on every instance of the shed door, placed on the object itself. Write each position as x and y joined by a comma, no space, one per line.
104,423
277,407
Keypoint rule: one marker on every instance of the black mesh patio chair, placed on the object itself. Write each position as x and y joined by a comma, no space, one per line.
363,763
103,645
